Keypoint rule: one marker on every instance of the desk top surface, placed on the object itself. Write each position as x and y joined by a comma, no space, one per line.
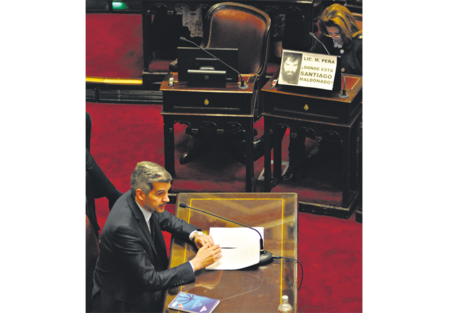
353,87
182,86
257,289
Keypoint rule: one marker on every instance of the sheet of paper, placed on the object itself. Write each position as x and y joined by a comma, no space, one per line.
240,247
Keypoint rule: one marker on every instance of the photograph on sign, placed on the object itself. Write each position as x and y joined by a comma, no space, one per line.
307,69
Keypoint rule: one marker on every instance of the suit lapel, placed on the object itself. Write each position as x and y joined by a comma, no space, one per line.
143,226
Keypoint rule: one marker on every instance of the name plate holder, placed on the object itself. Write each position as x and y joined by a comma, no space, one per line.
310,70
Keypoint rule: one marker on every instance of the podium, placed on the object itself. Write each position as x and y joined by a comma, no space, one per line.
322,112
253,289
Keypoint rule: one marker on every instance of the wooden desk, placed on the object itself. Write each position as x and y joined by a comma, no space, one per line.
257,289
195,105
323,113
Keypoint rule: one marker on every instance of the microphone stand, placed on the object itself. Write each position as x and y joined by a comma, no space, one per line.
343,94
242,85
265,257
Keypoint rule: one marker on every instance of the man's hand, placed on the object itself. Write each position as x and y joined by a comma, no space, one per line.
206,256
204,240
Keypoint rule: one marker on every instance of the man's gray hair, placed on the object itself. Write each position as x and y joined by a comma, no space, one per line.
145,174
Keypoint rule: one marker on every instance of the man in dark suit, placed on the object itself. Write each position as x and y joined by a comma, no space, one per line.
132,272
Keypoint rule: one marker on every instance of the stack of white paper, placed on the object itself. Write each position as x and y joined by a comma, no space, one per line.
240,247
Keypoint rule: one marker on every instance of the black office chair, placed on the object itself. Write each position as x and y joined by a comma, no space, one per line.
233,25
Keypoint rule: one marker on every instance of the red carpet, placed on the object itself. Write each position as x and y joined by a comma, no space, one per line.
215,172
330,249
114,45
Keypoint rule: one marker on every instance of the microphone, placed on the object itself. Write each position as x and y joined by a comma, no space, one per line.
242,82
343,94
313,35
265,256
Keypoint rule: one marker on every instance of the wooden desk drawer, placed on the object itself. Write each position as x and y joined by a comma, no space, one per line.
208,103
308,108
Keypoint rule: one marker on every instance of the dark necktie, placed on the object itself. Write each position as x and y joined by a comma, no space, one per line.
158,241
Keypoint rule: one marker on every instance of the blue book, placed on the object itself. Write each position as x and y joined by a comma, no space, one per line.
187,302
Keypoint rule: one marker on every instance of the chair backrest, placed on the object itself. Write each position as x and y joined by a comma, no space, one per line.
235,25
92,252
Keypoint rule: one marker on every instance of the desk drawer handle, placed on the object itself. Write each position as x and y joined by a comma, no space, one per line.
206,102
306,107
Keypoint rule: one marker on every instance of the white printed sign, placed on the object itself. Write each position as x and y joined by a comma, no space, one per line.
308,69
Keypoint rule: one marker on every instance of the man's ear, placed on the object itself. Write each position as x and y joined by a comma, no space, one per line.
140,195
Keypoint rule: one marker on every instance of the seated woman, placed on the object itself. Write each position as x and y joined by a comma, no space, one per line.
340,36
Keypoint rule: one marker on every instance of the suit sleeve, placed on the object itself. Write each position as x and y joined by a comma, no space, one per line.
177,227
137,262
